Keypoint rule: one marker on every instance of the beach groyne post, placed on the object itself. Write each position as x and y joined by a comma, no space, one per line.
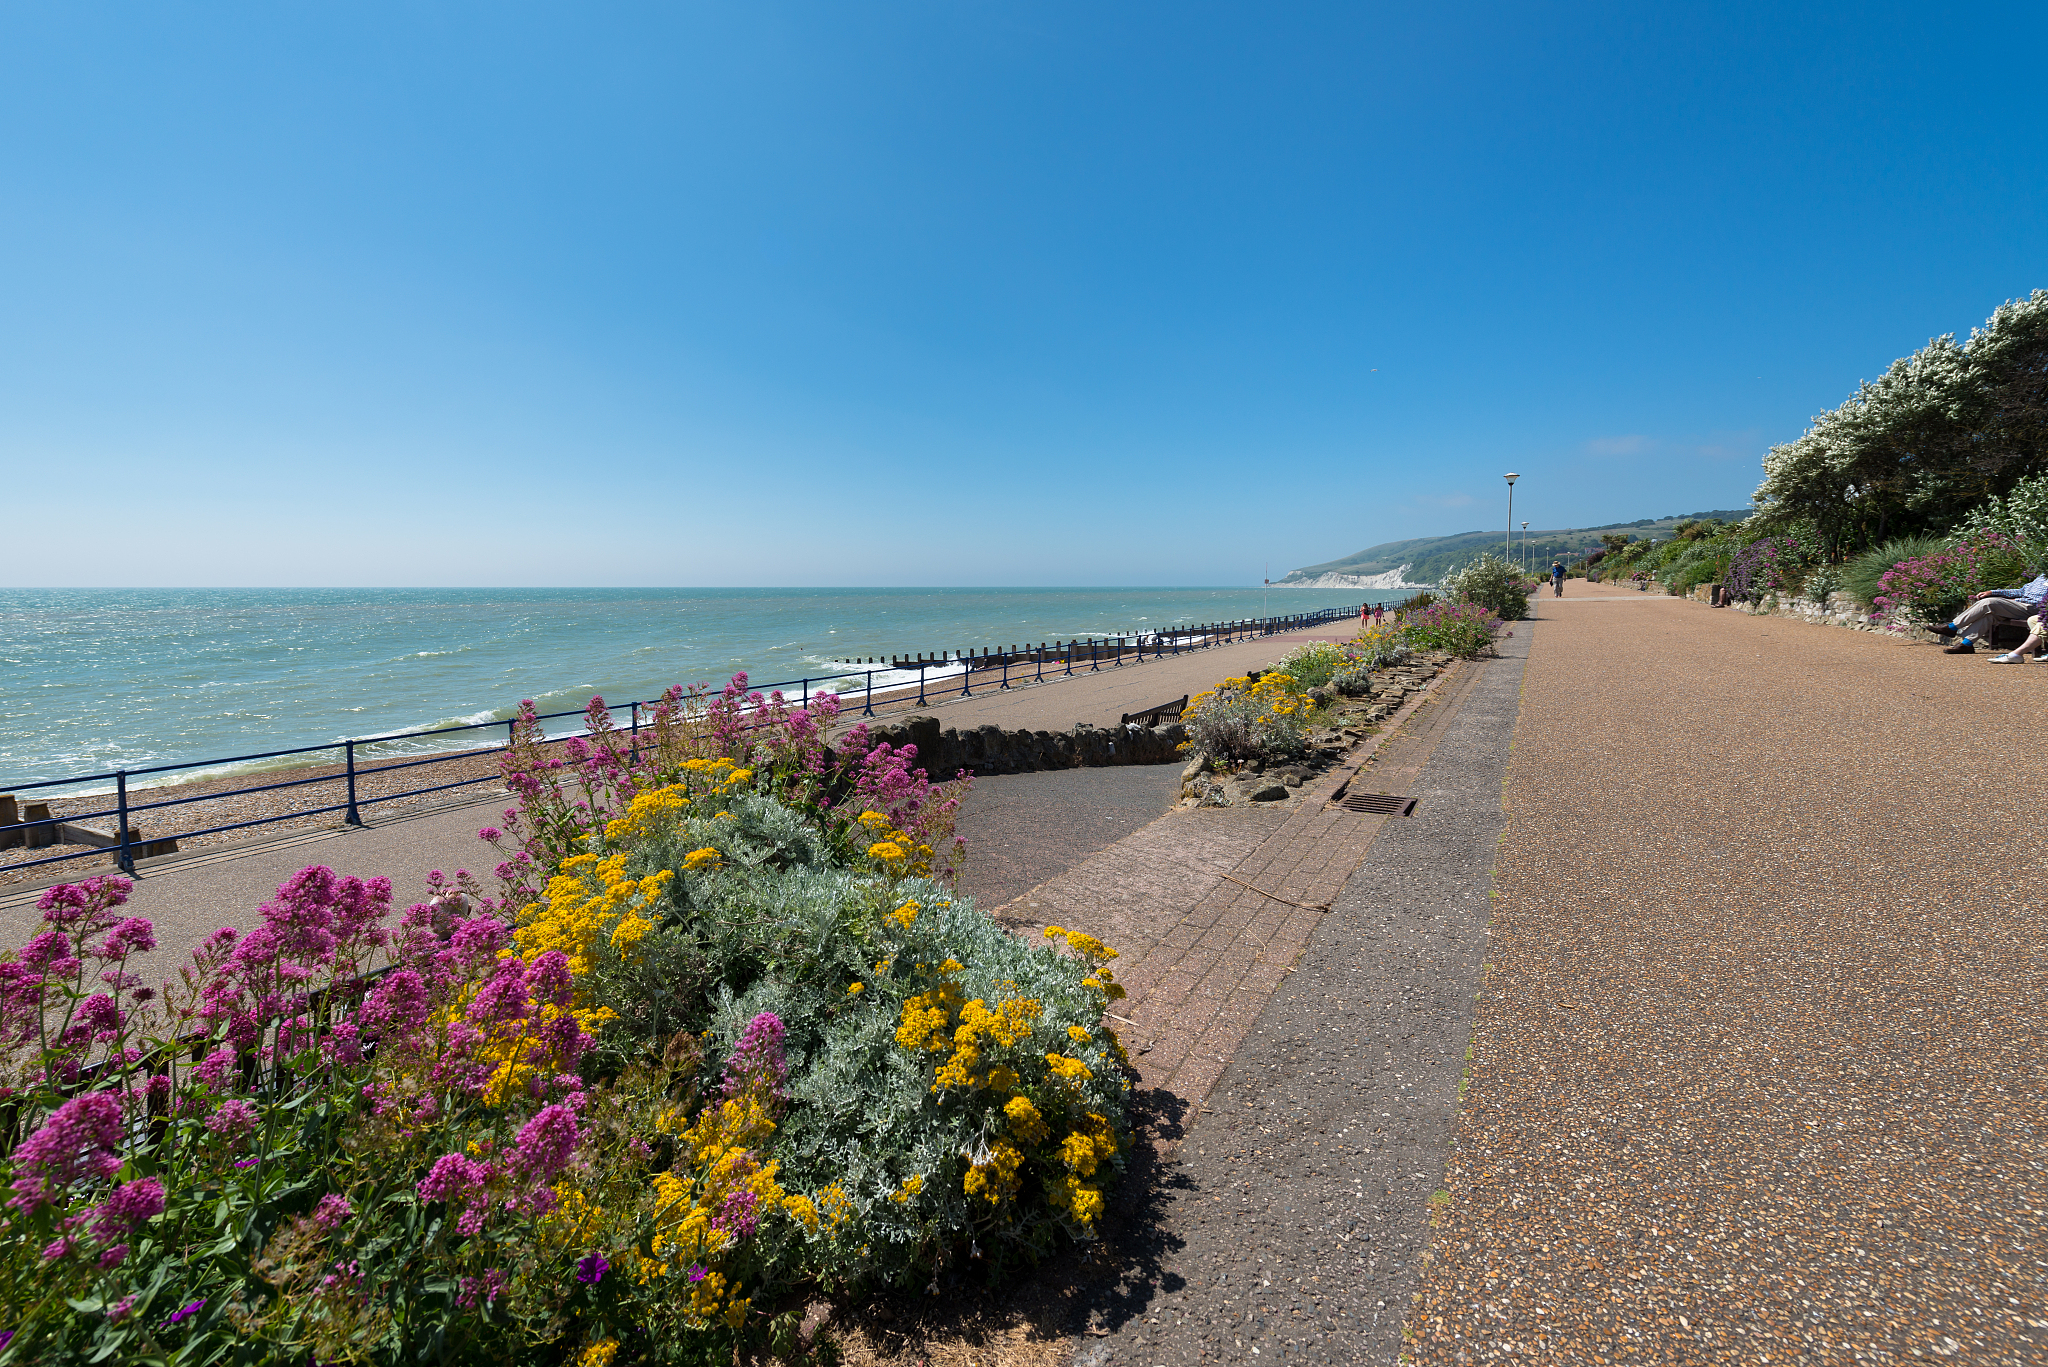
126,859
354,817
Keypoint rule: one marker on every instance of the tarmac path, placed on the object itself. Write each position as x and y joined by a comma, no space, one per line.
1759,1070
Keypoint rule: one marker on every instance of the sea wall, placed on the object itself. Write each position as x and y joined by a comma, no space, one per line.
993,750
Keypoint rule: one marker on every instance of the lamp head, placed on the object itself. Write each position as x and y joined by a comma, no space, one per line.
1512,478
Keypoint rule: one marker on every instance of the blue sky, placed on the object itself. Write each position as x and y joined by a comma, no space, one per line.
956,293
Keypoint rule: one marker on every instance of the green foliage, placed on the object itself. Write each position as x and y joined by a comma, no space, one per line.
1493,583
2023,514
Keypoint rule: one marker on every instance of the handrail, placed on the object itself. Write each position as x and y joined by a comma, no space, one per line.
1165,640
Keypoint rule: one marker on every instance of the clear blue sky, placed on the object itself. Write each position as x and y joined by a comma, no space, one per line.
957,293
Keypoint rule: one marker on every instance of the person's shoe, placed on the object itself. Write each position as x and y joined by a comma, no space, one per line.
2011,657
1946,630
1961,647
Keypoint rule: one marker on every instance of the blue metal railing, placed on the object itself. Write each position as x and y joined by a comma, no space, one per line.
1101,652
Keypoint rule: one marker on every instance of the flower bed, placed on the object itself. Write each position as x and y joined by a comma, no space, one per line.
721,1035
1933,588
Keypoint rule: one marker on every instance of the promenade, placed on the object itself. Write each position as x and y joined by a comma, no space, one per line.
1759,1068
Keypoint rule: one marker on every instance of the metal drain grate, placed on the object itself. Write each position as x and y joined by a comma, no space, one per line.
1393,804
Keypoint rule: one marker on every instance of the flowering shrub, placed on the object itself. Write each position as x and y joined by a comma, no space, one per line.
1462,629
1315,664
1244,719
703,1044
1493,583
1774,565
1933,588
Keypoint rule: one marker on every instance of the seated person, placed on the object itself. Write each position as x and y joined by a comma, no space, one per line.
1987,609
2037,636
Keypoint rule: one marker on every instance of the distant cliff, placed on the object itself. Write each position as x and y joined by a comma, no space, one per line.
1423,561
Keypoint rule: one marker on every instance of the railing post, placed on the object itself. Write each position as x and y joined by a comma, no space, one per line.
1094,655
920,683
1007,652
869,710
1038,662
636,733
354,817
966,659
126,859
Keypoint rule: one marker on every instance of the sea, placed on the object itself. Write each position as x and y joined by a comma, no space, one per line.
94,680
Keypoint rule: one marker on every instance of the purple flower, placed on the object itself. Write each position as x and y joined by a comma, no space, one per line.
696,1273
182,1313
590,1271
118,1311
247,1162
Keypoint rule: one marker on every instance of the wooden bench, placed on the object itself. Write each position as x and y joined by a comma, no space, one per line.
1152,716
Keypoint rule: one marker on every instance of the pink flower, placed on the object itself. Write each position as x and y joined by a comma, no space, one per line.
757,1060
130,1205
131,935
546,1143
77,1142
332,1212
233,1120
453,1177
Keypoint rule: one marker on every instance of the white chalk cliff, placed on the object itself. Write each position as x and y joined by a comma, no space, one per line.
1391,579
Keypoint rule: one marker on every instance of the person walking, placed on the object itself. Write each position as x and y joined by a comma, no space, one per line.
1557,577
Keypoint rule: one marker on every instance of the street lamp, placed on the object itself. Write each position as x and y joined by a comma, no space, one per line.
1511,512
1525,543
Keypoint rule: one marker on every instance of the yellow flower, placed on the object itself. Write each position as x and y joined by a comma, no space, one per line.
886,850
598,1354
698,859
912,1185
1069,1070
1077,1034
853,988
905,915
994,1176
874,821
802,1211
1025,1122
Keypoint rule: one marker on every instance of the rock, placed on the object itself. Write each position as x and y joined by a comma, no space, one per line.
1194,769
1268,792
1292,775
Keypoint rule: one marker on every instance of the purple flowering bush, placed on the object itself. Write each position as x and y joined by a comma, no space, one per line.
697,1050
1772,565
1462,629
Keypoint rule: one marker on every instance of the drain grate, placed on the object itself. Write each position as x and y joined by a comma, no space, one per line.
1393,804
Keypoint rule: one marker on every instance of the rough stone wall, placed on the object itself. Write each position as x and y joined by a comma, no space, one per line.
992,750
1840,610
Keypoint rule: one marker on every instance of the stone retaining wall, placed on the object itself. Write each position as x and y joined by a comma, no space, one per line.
992,750
1840,610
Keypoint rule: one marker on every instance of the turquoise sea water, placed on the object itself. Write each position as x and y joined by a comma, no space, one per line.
100,679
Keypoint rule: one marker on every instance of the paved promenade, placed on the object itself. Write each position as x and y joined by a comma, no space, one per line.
1760,1066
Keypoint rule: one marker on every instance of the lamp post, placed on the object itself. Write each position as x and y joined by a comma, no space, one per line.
1523,562
1511,512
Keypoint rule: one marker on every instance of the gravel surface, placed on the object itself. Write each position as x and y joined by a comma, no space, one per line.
1290,1228
1760,1065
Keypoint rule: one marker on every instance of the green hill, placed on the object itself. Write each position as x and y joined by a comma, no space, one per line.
1425,560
